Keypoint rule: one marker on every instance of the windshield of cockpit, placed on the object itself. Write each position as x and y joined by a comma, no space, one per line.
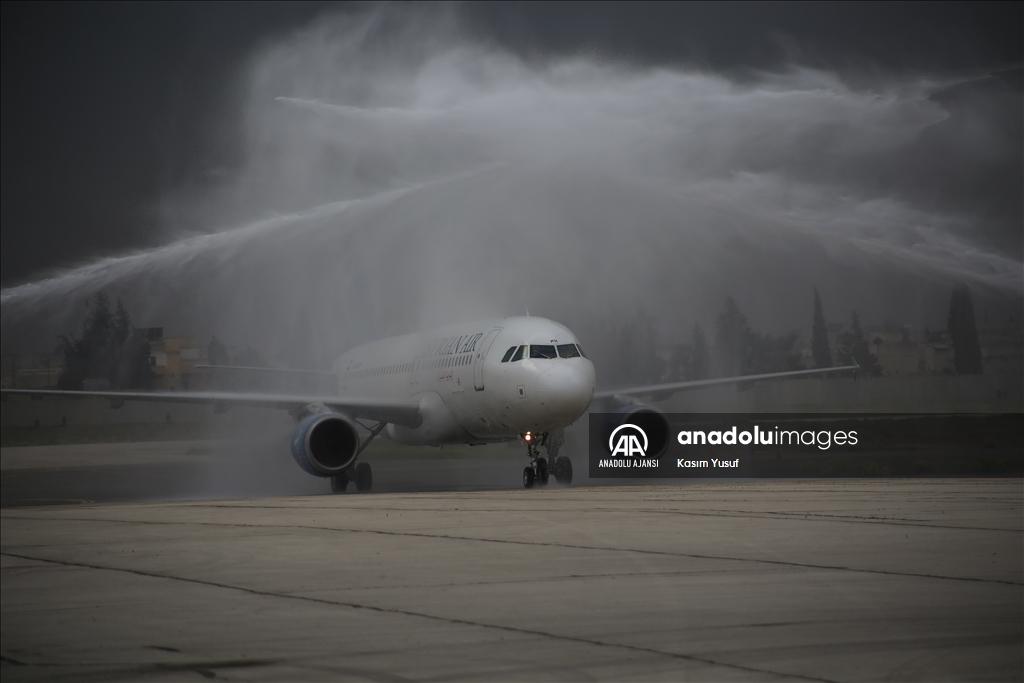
548,351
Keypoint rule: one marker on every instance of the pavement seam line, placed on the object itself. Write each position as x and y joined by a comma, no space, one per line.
732,514
782,563
796,516
450,620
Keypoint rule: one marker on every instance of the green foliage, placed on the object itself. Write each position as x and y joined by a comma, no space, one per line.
819,336
690,361
741,351
700,360
852,346
732,334
766,353
108,349
679,363
964,333
217,353
624,351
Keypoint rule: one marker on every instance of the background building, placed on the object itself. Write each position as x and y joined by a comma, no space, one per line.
174,361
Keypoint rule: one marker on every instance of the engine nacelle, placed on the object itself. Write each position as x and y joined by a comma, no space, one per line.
649,419
325,445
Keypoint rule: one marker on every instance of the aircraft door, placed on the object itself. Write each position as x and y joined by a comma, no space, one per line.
481,354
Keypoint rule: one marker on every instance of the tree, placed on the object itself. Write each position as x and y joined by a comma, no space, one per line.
690,361
819,336
679,363
631,351
108,349
766,353
648,368
700,358
963,332
853,347
217,354
741,351
732,333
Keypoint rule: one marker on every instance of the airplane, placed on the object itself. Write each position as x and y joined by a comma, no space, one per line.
487,381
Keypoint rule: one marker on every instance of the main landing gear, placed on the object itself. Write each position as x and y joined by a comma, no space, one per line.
538,472
362,474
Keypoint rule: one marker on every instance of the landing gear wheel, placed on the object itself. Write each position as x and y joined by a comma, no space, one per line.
339,482
542,472
528,477
364,477
563,470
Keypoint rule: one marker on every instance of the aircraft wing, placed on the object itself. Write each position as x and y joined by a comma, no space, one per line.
405,413
280,371
673,387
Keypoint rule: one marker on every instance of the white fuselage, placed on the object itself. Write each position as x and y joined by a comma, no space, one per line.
473,381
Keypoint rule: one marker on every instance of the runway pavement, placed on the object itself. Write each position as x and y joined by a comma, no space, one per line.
235,468
855,580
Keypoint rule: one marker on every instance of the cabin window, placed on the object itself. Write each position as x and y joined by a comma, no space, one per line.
568,351
542,351
508,354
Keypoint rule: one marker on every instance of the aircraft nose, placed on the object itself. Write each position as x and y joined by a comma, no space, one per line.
566,389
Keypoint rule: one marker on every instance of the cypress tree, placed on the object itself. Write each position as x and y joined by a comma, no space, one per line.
700,359
819,336
732,334
964,333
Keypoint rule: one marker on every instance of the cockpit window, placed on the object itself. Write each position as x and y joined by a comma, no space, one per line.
582,352
568,351
508,354
542,351
519,354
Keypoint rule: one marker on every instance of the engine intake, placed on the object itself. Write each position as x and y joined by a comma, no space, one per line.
325,445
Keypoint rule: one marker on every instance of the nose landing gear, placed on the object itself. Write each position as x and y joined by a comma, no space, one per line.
538,473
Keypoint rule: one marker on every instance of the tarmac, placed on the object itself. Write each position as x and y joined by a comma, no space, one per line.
850,580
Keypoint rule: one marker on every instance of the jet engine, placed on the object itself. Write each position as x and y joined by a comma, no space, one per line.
326,444
649,419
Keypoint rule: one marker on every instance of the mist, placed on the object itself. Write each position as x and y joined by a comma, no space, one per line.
395,174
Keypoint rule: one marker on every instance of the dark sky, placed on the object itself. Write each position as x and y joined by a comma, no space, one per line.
107,107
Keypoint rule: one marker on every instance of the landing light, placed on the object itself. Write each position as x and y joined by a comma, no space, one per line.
527,437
